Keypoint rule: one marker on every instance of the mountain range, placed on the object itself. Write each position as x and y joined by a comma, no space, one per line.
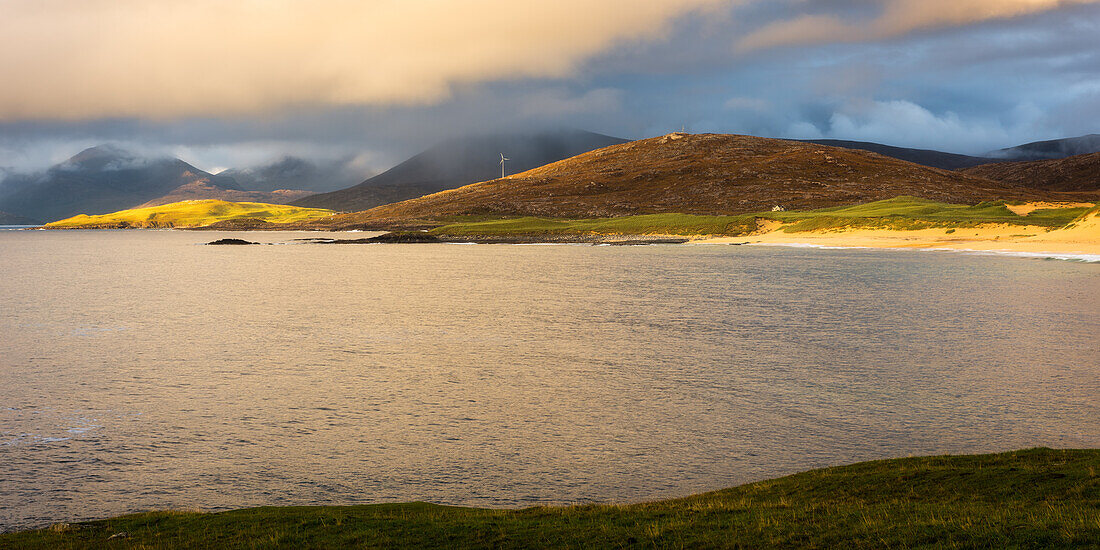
1039,150
204,189
926,157
697,174
297,173
459,162
1076,174
1051,149
106,179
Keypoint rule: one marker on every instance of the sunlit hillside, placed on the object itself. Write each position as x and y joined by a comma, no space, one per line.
701,174
193,214
899,213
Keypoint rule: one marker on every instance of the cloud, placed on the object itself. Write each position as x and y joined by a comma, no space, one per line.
907,124
803,130
28,155
746,104
82,59
251,154
554,103
643,84
896,18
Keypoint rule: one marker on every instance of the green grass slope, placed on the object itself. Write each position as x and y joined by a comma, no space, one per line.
901,213
196,213
647,224
1037,498
906,213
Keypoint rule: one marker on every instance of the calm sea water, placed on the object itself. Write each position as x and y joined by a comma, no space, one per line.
141,371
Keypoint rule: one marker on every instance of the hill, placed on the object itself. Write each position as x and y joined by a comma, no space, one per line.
99,180
925,157
1039,150
1051,149
1080,173
1037,498
696,174
459,162
315,176
204,189
192,214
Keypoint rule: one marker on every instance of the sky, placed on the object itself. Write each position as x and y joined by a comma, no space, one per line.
368,83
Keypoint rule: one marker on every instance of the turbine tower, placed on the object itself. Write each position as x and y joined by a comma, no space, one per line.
503,159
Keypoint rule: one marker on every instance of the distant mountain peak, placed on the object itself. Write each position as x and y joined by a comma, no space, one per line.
926,157
291,172
102,179
1077,173
102,157
1051,149
105,150
461,161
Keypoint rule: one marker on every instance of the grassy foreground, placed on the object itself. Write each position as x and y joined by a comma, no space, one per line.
1036,498
900,213
196,213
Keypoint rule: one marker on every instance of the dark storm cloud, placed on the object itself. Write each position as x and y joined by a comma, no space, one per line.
967,87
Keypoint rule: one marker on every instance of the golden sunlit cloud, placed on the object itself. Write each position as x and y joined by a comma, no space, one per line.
898,17
76,59
86,59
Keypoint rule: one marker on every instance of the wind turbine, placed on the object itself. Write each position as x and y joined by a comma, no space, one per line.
503,159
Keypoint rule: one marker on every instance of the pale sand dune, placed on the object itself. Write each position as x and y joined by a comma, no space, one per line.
765,226
1029,207
1081,238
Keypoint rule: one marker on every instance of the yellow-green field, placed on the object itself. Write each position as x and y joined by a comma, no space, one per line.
900,213
193,214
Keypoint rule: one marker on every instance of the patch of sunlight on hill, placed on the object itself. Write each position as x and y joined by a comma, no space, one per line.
194,214
900,213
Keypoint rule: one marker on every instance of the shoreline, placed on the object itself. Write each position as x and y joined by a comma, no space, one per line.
1044,255
1037,497
1020,241
1080,237
1078,241
1030,240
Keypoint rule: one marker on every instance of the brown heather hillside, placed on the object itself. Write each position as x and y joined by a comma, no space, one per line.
1076,174
695,174
457,162
204,189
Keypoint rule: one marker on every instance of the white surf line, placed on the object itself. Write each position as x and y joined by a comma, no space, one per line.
1068,256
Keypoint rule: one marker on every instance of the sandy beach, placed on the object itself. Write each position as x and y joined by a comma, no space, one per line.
1082,237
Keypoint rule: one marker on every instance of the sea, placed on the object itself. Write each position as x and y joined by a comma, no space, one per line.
144,370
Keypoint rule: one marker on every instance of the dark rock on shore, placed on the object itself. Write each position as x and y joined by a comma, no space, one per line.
231,241
563,238
405,237
412,237
638,242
